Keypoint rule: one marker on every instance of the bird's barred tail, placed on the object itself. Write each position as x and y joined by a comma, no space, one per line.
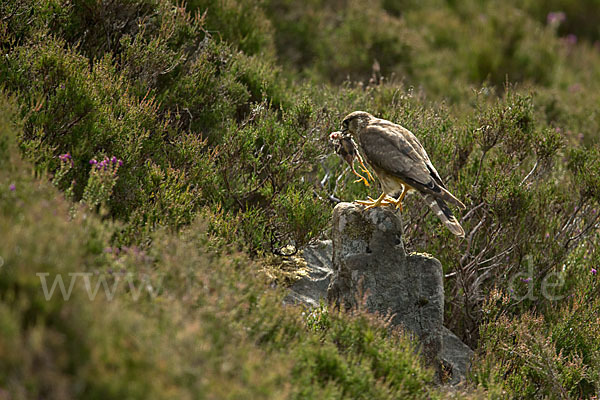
443,212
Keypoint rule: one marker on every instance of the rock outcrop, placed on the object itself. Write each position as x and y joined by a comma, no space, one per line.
366,260
312,288
455,357
369,258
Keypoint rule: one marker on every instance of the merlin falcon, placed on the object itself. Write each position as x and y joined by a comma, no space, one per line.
399,162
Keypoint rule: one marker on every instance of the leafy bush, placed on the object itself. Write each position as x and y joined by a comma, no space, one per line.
536,356
570,17
174,320
154,119
221,110
242,23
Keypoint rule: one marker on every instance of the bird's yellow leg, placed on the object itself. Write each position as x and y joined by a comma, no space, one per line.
373,203
363,168
398,202
389,200
360,177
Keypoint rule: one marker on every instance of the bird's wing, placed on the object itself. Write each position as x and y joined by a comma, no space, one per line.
399,132
397,151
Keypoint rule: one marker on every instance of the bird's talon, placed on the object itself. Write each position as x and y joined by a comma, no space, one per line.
363,202
367,202
360,177
370,203
363,180
364,169
373,205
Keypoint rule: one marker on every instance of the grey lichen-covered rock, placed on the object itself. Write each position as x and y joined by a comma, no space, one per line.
456,356
312,288
367,250
369,258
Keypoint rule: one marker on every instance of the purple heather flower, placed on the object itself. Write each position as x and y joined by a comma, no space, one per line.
120,162
555,18
571,39
594,271
104,164
113,159
93,161
12,187
526,280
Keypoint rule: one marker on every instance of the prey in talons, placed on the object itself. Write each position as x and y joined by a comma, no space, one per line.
345,147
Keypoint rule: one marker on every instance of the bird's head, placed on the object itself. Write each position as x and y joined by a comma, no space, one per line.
355,121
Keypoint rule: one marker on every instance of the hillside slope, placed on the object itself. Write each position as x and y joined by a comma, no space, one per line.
169,124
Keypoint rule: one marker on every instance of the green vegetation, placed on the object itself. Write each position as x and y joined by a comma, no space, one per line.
180,319
208,122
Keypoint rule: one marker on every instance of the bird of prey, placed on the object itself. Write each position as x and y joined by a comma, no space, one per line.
401,164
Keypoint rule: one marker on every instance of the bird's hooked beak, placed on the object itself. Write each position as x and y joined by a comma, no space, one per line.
345,132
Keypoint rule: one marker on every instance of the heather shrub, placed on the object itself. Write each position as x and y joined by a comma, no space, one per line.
97,27
87,114
102,180
241,23
336,42
436,46
568,17
361,373
221,111
508,45
104,111
553,355
22,19
158,51
270,153
174,319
